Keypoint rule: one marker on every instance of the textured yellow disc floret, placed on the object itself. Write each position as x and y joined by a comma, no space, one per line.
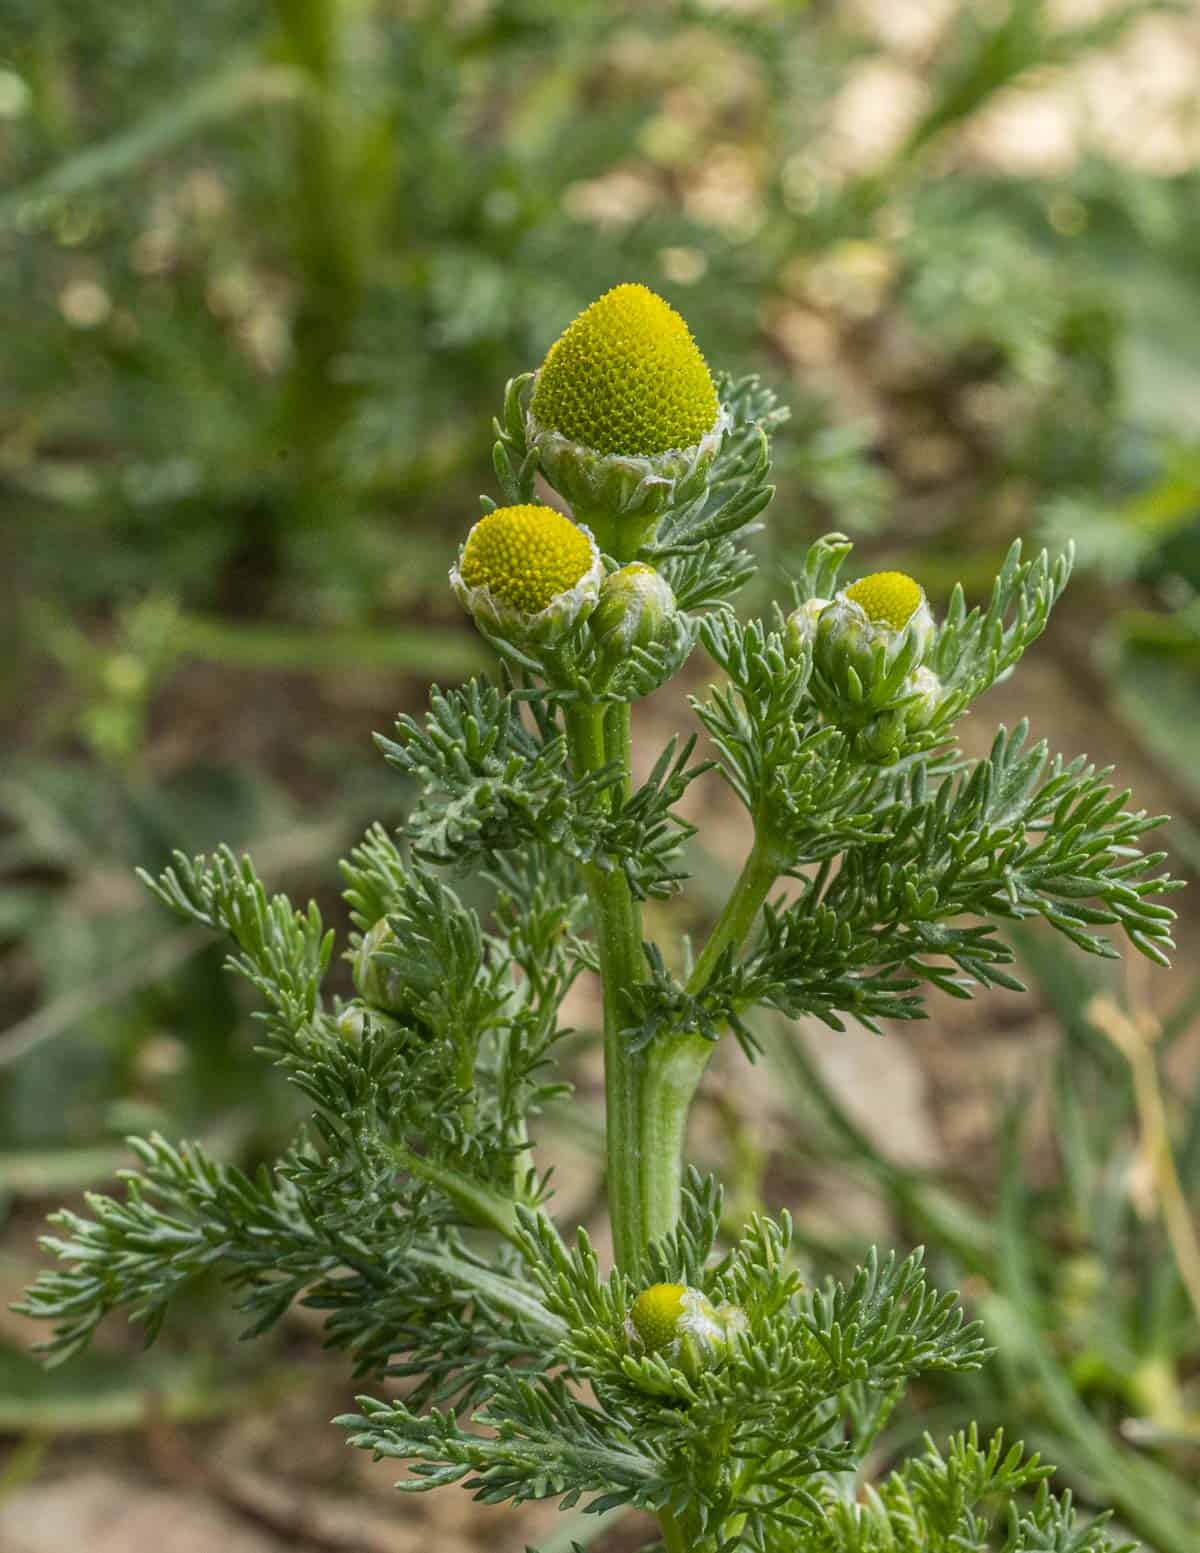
656,1312
888,597
627,377
525,556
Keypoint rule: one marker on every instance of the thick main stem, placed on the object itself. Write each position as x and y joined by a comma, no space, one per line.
674,1537
677,1061
619,938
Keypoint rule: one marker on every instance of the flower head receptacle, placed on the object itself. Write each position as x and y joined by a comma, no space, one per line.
887,598
625,416
655,1314
528,574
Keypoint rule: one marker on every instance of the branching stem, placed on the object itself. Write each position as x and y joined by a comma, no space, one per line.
677,1060
478,1203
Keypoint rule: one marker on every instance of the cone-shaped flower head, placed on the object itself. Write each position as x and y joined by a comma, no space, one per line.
528,573
625,416
627,377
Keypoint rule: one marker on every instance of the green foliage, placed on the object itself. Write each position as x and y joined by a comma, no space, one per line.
269,397
411,1211
1081,1290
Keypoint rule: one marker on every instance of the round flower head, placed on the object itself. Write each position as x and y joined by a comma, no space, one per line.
889,598
655,1315
684,1326
625,415
627,377
528,574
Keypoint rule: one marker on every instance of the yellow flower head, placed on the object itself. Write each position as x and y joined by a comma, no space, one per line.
525,556
626,377
890,598
655,1314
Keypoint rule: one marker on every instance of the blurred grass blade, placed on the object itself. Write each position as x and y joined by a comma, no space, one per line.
579,1531
1155,1504
246,84
57,1017
984,59
104,1394
47,1172
409,649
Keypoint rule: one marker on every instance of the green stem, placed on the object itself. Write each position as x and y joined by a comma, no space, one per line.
479,1204
619,937
618,742
759,872
499,1291
677,1061
673,1538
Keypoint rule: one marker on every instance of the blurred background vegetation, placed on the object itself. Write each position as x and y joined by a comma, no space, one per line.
264,270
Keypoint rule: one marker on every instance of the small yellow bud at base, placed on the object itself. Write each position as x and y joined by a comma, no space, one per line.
655,1314
525,556
889,598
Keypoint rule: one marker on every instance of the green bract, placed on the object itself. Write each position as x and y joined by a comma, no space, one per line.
697,1377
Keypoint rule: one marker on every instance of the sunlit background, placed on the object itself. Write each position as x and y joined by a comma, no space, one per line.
264,271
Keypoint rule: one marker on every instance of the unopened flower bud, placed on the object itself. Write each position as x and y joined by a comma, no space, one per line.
885,736
802,626
881,738
528,574
375,980
351,1022
636,609
684,1326
923,693
625,415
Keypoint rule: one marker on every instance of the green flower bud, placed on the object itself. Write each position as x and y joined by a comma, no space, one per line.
375,980
636,609
528,574
625,416
889,733
351,1022
923,697
881,738
801,627
684,1326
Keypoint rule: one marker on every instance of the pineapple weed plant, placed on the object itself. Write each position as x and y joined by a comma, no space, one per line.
708,1386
